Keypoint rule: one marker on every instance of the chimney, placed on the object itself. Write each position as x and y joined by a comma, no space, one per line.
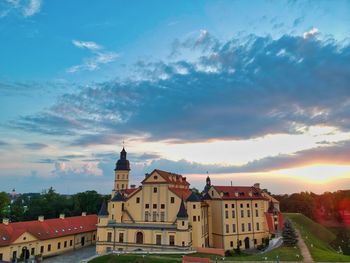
257,185
41,218
62,216
133,186
5,221
83,214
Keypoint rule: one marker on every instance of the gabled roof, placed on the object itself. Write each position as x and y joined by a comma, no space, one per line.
117,197
194,197
239,192
181,192
49,228
171,178
103,210
182,211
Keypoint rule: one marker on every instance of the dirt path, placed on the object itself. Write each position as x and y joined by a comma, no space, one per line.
304,249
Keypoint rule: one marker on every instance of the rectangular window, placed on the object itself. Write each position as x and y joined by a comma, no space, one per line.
172,200
65,244
71,243
121,237
243,227
109,237
226,214
162,216
59,245
231,243
199,218
154,206
242,213
233,214
154,216
137,200
49,247
248,205
158,239
146,206
0,256
233,206
241,205
257,226
234,228
194,206
248,213
249,227
226,205
256,204
155,189
41,249
227,228
146,216
162,206
194,218
172,240
255,241
257,213
32,251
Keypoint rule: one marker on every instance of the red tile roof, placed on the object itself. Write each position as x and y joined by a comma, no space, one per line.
49,228
172,178
270,223
240,192
181,192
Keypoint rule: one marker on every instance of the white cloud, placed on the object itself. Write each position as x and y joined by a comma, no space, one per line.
311,33
88,169
32,8
27,8
86,44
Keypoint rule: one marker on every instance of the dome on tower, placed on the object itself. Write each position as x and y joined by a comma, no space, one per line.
122,163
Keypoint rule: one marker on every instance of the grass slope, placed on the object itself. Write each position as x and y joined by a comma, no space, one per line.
317,238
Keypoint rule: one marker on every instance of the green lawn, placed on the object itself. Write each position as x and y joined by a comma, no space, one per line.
284,253
317,238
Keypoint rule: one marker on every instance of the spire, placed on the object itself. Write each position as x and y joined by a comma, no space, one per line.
118,197
194,197
182,211
103,210
122,163
208,184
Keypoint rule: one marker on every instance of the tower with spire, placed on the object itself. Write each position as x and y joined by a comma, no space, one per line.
122,169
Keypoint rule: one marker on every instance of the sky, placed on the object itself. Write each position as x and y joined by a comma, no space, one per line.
245,91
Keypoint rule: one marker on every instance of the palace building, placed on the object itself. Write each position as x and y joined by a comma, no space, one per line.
45,237
163,213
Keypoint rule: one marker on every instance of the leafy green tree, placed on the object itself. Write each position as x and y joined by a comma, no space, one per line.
4,202
289,235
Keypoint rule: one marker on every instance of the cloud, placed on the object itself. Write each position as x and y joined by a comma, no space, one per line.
27,8
2,143
100,57
235,90
88,169
311,33
35,146
86,44
32,8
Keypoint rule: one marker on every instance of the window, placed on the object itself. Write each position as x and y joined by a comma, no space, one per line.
255,241
112,216
234,228
241,205
194,218
226,205
212,192
248,213
231,243
162,206
226,214
162,216
158,239
71,243
122,186
233,206
49,247
146,206
155,189
155,177
172,200
249,227
248,205
183,223
194,206
256,204
233,214
146,216
183,243
122,206
154,206
32,251
243,227
242,213
121,237
137,200
154,216
257,213
171,240
0,256
65,242
93,237
227,228
199,218
257,226
59,245
41,249
109,237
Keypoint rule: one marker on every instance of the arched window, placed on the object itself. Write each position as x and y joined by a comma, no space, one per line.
139,238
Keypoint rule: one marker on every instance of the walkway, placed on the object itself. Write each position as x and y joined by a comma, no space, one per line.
304,249
73,256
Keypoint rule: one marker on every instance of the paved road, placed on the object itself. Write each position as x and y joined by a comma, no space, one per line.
73,256
304,249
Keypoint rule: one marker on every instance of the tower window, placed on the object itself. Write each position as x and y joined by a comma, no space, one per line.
137,200
172,200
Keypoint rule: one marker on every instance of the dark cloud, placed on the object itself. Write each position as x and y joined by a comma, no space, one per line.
35,146
2,143
236,90
73,156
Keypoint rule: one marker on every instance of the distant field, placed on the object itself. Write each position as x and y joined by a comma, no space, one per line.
317,238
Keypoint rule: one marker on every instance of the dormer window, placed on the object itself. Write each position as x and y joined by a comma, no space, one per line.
155,177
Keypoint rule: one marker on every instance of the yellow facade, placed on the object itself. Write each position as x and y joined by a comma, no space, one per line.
147,217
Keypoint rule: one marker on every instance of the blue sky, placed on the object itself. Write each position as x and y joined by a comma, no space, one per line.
246,90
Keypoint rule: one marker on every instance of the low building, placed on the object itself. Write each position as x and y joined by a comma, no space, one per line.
163,213
46,237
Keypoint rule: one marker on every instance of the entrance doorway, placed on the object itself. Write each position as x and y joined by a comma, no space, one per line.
139,238
247,243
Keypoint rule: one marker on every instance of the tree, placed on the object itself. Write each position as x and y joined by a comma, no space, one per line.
4,202
289,235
